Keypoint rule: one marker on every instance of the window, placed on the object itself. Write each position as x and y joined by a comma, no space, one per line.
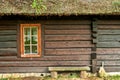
30,40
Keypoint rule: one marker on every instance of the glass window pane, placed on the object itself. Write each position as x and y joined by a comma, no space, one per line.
27,40
26,31
34,49
27,49
34,31
34,39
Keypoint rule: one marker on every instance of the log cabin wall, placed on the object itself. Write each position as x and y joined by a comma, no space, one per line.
108,44
65,43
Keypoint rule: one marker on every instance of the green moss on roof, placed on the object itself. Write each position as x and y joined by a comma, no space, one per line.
62,7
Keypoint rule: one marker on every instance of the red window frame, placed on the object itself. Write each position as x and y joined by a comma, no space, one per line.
22,26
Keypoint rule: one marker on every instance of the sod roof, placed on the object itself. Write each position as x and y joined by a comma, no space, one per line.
61,7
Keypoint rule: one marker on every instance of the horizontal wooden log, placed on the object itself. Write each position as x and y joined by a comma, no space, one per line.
8,38
67,27
69,32
7,27
108,51
8,51
109,27
8,54
68,44
108,44
47,58
108,57
108,38
8,23
110,22
43,63
109,62
70,22
70,51
108,31
8,32
67,37
23,69
8,44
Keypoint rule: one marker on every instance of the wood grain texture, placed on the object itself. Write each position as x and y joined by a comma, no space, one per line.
112,69
47,58
67,27
108,38
68,44
109,32
108,44
8,38
8,51
108,51
108,57
23,69
8,32
67,37
109,27
43,63
67,22
58,32
8,45
69,51
109,62
73,37
110,22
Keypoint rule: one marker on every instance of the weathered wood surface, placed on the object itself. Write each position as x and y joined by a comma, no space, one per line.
8,51
108,51
67,37
13,57
23,69
43,63
8,32
8,44
108,41
67,27
109,63
67,22
8,38
68,44
70,32
108,44
84,68
108,57
109,27
108,22
109,32
69,51
112,69
108,38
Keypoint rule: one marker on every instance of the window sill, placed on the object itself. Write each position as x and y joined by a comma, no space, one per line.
30,55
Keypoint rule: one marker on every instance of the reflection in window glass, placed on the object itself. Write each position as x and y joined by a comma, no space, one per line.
34,31
34,49
34,39
26,31
27,49
27,40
